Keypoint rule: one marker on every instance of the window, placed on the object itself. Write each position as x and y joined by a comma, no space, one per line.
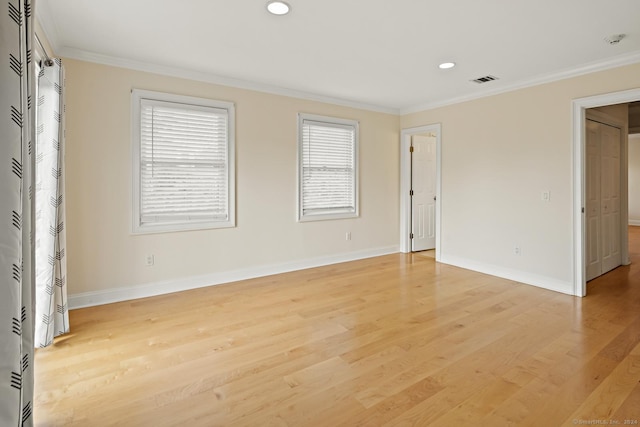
183,163
327,168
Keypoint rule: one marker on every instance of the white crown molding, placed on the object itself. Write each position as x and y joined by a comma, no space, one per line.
90,299
216,79
51,34
519,276
616,61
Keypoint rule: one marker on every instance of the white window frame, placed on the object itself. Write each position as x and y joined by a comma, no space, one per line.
137,96
331,121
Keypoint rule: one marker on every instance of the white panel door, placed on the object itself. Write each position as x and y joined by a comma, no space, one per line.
594,257
610,197
423,182
603,250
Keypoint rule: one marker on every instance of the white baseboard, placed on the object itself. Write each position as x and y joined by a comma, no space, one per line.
527,278
634,222
89,299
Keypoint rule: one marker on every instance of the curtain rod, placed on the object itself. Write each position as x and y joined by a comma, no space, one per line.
47,59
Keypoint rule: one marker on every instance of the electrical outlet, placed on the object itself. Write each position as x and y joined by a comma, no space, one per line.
546,196
150,260
516,250
347,236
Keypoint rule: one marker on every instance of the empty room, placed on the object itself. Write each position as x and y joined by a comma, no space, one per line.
266,213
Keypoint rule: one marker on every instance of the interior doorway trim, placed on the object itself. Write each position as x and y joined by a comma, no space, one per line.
579,168
405,184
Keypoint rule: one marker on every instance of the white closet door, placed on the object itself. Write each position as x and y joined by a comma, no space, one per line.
423,181
610,197
594,257
603,199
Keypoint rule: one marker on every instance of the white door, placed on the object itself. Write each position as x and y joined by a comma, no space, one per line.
423,186
610,197
603,199
594,257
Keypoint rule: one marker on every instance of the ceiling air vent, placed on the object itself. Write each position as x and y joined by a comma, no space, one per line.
484,79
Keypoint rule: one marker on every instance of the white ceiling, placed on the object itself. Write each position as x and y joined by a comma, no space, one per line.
376,54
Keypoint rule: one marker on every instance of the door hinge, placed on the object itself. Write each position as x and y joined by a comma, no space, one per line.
411,149
411,236
434,198
582,210
411,192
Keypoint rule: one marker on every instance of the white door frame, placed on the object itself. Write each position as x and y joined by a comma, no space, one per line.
579,168
405,184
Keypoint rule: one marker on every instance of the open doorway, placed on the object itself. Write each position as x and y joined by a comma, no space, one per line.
583,109
420,159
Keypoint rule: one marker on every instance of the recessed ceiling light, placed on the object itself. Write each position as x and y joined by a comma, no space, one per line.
278,7
447,65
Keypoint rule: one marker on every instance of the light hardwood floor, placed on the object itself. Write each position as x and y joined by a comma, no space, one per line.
394,340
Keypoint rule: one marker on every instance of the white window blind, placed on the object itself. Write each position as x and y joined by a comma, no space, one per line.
184,166
328,175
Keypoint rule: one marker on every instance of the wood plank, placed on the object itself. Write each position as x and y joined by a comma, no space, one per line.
392,340
609,396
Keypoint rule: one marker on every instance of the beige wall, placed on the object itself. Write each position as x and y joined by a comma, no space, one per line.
102,253
620,112
498,154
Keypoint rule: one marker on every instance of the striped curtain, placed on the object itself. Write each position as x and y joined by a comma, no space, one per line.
52,316
17,120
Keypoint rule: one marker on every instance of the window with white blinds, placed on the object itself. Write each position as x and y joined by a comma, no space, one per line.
183,163
328,175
